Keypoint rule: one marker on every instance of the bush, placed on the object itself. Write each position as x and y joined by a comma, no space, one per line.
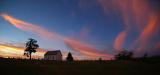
124,55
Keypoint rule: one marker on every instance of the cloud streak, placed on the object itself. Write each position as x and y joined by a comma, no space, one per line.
146,34
30,27
86,49
120,40
42,32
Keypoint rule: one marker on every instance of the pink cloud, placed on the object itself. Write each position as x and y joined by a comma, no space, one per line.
119,40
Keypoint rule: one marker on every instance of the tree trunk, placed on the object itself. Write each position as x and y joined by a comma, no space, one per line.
30,56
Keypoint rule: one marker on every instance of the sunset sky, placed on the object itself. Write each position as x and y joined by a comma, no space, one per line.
89,29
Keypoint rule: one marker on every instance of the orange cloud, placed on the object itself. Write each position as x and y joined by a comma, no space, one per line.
147,33
119,40
123,7
30,27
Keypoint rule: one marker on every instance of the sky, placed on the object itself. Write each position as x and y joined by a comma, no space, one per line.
89,29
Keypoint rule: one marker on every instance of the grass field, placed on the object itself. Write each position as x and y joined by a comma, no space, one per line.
39,67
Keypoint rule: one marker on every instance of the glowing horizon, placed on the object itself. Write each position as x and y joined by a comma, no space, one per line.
17,52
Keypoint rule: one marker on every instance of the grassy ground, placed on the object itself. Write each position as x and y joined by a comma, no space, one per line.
37,67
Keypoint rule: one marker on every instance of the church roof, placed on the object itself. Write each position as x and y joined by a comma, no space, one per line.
53,52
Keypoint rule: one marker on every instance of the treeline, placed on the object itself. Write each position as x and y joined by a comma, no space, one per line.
128,55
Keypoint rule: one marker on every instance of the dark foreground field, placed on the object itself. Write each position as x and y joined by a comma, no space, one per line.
37,67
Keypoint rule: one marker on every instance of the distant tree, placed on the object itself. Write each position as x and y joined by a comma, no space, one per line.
69,57
31,47
124,55
145,56
100,60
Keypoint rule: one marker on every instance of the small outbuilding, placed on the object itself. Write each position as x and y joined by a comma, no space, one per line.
53,55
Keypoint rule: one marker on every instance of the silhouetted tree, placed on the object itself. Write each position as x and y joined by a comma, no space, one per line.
31,47
69,57
124,55
144,57
100,59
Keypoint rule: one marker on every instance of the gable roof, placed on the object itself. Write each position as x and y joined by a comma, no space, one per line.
53,52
